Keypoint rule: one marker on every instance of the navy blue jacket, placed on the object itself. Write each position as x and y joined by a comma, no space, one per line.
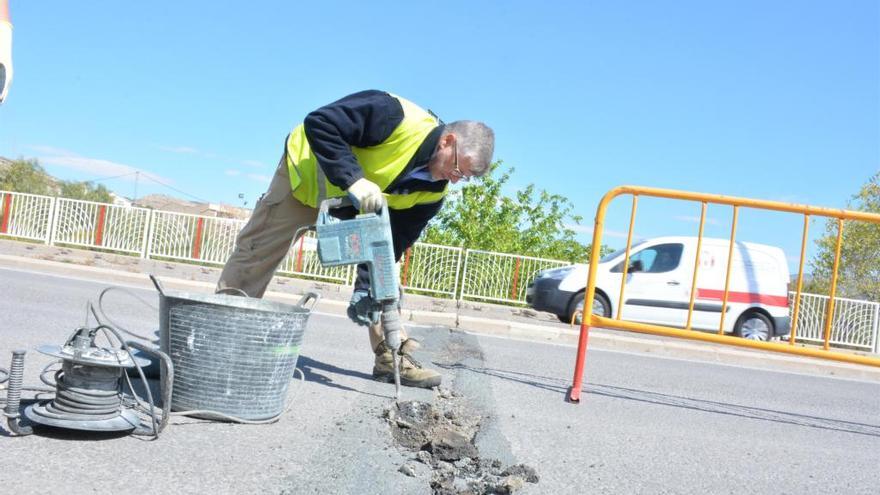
367,119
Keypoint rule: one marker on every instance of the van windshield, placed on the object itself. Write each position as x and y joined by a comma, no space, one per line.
620,252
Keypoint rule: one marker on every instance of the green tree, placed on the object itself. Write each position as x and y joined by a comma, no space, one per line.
85,191
532,222
859,271
26,176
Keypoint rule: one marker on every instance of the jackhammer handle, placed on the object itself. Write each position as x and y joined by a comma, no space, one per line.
342,202
332,203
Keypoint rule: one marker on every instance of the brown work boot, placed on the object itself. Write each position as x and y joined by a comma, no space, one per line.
411,372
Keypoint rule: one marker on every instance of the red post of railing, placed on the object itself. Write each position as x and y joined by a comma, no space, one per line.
574,393
99,229
7,210
298,267
197,245
407,256
515,277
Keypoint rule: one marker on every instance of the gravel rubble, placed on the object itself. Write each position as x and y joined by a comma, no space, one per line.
441,437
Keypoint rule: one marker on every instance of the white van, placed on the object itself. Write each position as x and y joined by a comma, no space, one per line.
658,286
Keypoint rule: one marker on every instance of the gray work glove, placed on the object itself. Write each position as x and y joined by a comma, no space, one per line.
362,309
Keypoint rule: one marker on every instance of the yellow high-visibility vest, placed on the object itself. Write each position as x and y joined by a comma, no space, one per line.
381,163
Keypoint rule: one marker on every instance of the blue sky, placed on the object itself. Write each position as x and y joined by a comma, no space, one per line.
773,100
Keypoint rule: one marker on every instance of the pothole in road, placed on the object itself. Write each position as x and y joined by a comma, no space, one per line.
442,437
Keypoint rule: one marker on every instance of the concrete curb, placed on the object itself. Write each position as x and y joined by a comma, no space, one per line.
608,340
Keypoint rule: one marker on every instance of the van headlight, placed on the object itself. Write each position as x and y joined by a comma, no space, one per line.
555,273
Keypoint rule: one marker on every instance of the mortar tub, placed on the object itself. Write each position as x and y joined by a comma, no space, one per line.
231,354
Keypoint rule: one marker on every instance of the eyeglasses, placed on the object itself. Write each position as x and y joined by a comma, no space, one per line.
457,173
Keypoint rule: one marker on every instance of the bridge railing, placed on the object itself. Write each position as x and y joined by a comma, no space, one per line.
856,323
99,225
26,216
500,277
431,269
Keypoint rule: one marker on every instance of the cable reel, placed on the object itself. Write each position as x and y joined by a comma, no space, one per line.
88,387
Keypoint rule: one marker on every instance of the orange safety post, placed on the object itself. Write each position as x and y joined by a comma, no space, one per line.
7,212
574,393
830,318
515,278
729,266
99,230
197,245
629,236
696,266
800,281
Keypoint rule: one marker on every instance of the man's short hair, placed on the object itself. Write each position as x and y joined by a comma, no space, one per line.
476,140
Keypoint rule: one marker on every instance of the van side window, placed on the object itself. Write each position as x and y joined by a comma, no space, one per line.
656,259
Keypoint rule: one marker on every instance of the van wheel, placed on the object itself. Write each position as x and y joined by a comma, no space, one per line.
601,306
754,326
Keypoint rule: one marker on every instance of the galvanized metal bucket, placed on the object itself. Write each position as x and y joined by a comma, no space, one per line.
232,355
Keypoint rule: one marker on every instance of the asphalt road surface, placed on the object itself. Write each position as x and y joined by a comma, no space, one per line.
644,424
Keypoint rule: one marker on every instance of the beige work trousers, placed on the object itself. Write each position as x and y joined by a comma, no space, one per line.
266,239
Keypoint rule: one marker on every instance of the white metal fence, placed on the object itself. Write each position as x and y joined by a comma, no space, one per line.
177,236
90,224
500,277
425,268
26,216
194,238
217,238
856,323
431,268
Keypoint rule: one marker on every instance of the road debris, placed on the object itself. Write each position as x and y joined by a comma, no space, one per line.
441,437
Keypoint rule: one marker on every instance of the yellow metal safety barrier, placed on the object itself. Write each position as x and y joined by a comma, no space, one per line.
592,320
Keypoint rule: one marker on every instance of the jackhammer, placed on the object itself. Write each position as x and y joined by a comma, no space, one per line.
365,239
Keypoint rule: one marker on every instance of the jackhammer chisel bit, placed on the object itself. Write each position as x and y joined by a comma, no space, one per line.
391,327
